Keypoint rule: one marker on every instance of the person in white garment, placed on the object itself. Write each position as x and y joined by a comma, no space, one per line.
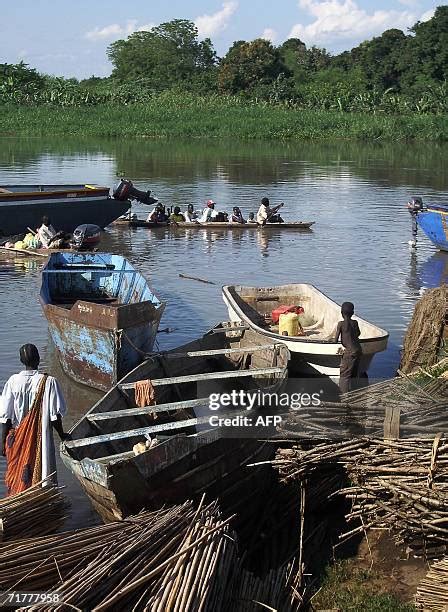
31,406
191,216
46,233
209,213
266,214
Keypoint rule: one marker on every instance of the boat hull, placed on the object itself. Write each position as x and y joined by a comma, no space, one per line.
94,354
66,209
218,225
102,315
434,223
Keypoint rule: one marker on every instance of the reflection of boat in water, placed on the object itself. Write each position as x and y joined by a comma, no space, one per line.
434,271
189,454
68,206
101,313
254,307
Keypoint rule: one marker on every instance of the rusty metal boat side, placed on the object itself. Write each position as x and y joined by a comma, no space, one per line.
102,316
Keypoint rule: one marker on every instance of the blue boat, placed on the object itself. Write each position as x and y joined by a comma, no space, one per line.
433,220
101,313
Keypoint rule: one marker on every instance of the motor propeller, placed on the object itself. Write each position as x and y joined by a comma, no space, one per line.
125,190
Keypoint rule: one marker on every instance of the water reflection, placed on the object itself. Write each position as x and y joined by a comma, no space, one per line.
357,251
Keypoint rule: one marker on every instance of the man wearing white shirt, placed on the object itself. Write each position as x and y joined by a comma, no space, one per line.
31,405
209,213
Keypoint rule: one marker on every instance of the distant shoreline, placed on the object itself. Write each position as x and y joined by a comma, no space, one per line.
215,121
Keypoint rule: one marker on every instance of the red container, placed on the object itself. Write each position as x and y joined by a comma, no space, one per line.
275,315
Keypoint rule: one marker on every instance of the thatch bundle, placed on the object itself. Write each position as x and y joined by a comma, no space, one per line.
423,337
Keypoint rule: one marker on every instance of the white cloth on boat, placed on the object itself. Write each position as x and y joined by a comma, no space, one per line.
45,233
191,217
263,214
16,400
208,214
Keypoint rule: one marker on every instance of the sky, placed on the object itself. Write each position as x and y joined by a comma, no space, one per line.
70,37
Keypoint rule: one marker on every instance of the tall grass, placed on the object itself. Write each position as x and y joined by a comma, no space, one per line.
194,117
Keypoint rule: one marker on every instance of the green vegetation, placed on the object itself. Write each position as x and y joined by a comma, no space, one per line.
354,590
166,82
170,116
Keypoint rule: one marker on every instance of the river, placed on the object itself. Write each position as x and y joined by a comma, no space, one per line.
355,192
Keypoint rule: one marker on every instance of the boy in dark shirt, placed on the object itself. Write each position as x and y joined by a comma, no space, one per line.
348,331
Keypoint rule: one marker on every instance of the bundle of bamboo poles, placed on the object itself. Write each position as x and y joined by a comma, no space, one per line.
420,401
36,511
432,592
172,559
398,485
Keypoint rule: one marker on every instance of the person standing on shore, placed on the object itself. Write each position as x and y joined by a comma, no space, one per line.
348,331
30,406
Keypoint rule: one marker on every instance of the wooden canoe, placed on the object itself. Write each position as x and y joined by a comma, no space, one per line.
101,313
218,225
191,456
253,307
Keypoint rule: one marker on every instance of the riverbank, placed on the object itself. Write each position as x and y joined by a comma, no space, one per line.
199,120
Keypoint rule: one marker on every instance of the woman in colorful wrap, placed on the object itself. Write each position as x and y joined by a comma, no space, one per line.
31,404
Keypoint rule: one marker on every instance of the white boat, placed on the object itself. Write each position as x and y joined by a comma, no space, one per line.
316,352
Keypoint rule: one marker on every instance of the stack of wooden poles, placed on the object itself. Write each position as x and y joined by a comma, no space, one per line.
174,559
396,485
39,510
432,592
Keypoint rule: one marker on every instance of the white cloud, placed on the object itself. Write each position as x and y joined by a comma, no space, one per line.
269,34
339,20
428,15
209,25
115,30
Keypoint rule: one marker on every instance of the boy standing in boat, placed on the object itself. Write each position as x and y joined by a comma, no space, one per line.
348,331
31,404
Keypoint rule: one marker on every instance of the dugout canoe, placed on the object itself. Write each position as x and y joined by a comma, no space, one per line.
218,225
101,313
316,351
192,456
67,206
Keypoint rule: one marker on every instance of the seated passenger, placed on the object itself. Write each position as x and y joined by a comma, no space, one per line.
49,238
209,213
191,216
177,216
158,215
237,216
251,218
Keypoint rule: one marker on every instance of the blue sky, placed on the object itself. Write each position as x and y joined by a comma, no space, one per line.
70,37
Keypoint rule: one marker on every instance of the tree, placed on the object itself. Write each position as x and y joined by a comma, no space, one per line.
167,55
20,76
250,66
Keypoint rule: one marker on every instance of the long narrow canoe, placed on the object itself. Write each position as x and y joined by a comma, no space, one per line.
101,313
192,455
317,348
217,225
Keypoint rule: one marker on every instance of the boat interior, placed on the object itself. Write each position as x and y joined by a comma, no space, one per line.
320,314
44,188
101,279
182,381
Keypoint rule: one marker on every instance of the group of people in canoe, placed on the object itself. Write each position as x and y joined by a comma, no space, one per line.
45,237
210,214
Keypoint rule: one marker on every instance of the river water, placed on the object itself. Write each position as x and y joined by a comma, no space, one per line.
358,251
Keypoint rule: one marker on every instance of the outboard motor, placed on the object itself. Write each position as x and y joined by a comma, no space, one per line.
125,190
415,206
86,237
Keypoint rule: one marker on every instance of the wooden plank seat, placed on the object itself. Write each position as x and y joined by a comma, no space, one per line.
158,382
127,412
142,431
